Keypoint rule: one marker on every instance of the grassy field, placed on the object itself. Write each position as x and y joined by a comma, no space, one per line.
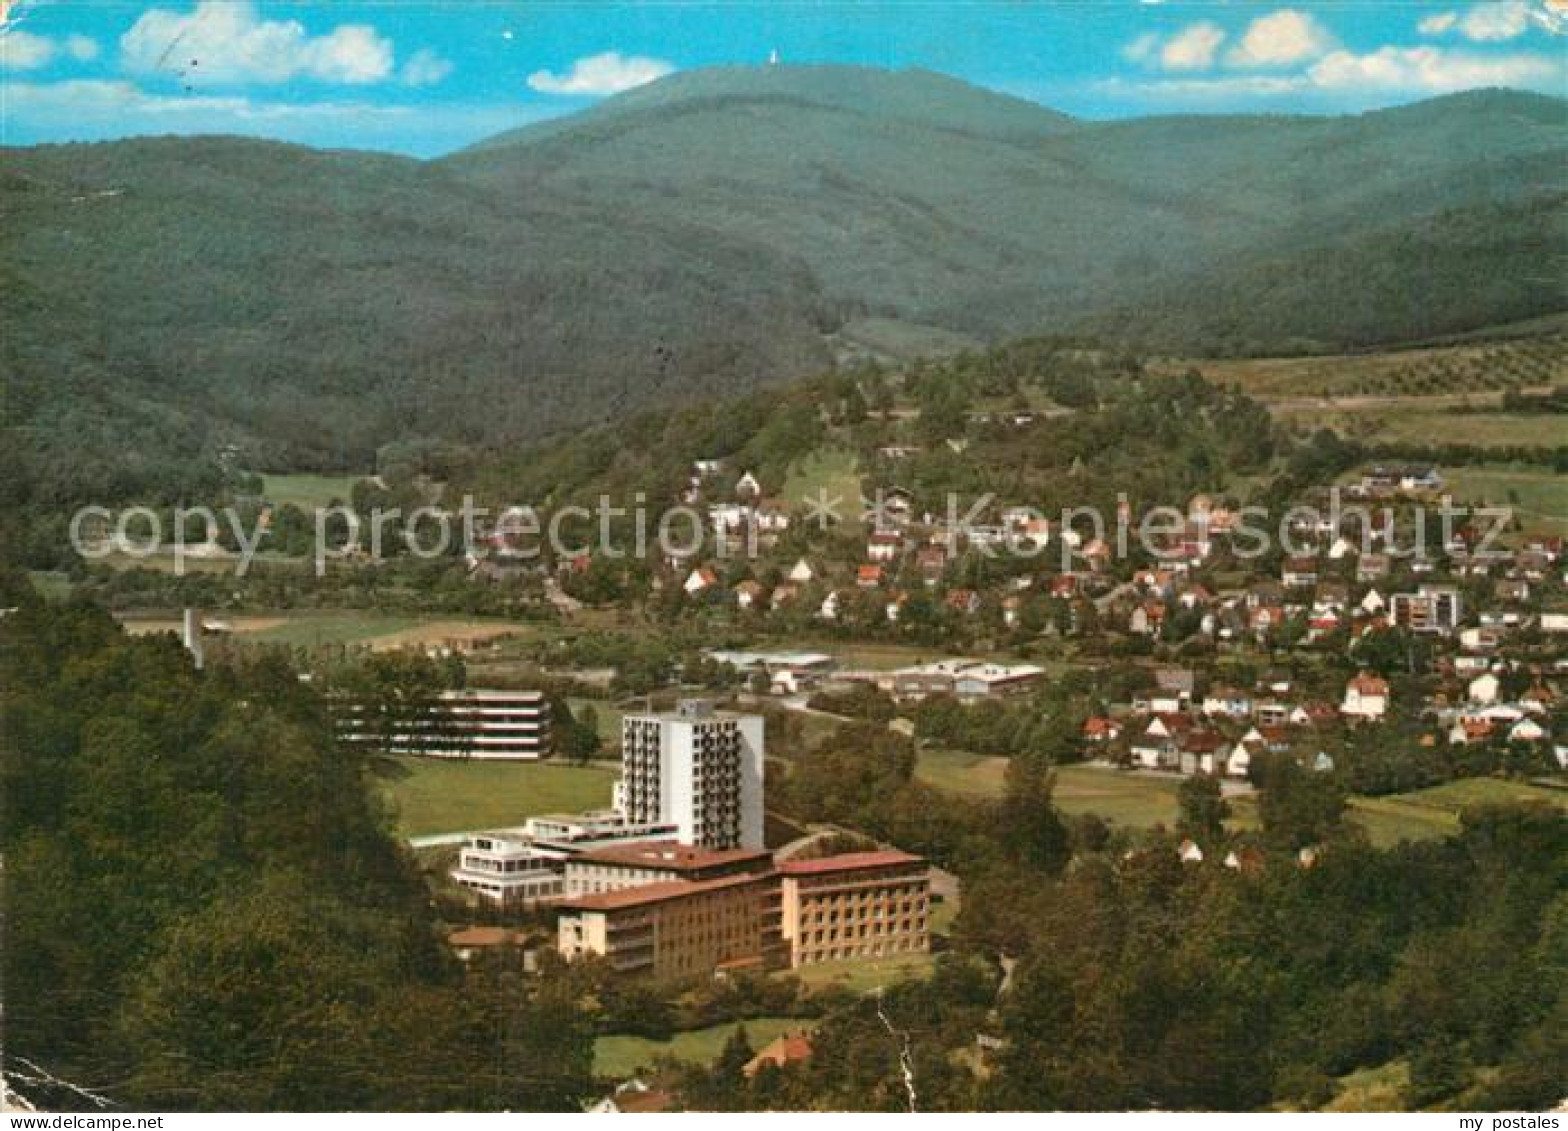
906,340
1417,421
1538,495
164,561
1127,799
864,976
828,473
609,714
620,1056
457,795
308,491
1120,797
958,771
55,586
1485,429
1142,802
381,631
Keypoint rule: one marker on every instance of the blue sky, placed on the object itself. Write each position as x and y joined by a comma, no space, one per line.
426,78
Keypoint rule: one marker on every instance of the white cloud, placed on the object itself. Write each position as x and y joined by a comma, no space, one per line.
1280,39
1431,70
350,53
24,51
1343,80
1438,23
596,75
1495,22
1142,49
93,110
1192,49
424,68
226,41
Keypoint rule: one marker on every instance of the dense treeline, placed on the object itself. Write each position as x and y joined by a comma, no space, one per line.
1134,980
205,907
180,307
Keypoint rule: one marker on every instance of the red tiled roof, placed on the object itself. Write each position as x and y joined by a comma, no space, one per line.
782,1051
484,936
657,893
847,862
653,1100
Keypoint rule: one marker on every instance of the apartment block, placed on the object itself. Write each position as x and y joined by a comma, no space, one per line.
854,906
471,723
697,769
1431,608
678,929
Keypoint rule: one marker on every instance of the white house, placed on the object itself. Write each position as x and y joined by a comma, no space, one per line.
1366,697
1227,701
883,546
1484,688
1526,730
699,581
1241,756
801,572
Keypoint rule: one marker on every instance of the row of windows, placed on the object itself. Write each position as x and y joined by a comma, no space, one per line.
866,931
862,914
808,956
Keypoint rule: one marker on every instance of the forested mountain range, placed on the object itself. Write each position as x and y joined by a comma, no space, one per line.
712,232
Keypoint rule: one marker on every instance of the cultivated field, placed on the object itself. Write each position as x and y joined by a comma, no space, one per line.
1479,367
1419,421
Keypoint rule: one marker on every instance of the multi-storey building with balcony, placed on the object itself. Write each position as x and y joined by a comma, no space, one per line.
471,723
1431,608
679,929
859,905
508,870
695,768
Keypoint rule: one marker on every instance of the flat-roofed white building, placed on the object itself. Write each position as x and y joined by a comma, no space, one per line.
965,678
525,866
508,870
479,723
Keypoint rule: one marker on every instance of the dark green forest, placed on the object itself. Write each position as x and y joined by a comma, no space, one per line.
205,909
176,307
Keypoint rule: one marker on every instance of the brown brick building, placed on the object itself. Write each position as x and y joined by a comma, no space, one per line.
858,905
